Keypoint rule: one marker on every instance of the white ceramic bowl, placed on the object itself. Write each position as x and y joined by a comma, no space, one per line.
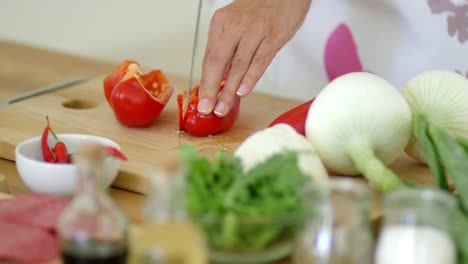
59,179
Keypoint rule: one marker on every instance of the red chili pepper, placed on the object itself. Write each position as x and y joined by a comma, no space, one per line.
114,152
46,151
200,125
61,152
60,149
295,117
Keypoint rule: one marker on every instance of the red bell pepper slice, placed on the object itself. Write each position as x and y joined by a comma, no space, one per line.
180,107
200,125
137,99
115,152
295,117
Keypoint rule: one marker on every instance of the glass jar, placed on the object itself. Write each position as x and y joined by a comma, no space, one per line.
92,229
338,230
167,236
416,227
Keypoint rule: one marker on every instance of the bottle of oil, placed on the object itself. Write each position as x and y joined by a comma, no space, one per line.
167,236
92,229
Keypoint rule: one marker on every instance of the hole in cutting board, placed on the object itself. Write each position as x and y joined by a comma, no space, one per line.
79,104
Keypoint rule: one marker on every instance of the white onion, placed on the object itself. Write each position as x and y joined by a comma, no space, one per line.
442,97
358,124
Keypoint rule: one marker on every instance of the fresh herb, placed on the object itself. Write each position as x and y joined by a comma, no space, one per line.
241,210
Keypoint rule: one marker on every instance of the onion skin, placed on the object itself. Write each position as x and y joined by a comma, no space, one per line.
440,96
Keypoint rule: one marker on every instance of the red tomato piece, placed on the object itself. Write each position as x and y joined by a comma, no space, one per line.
200,125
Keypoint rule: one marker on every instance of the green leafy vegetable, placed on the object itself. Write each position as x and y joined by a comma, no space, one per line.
244,211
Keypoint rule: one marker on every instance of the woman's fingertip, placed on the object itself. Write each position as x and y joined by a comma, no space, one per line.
242,91
205,106
221,109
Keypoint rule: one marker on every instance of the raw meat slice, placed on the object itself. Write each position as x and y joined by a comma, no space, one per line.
27,244
39,210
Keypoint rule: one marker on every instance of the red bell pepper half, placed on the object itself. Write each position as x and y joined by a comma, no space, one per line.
137,99
295,117
200,125
124,71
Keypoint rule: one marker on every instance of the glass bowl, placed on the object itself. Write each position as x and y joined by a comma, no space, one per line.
239,238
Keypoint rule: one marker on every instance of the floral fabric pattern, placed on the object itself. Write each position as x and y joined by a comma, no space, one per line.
457,20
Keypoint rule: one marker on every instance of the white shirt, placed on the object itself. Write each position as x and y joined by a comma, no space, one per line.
395,39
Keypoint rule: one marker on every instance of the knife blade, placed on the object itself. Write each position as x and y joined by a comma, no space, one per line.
43,90
194,51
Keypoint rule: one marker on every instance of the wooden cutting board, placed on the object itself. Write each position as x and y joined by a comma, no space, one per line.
83,109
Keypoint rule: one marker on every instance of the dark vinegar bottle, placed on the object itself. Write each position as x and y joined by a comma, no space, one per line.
92,229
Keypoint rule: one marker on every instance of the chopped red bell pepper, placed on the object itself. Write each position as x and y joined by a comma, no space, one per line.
180,107
295,117
137,99
200,125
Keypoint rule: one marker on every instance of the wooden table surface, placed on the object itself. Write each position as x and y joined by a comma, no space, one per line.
24,68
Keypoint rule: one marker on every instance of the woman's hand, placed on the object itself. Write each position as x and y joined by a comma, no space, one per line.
243,39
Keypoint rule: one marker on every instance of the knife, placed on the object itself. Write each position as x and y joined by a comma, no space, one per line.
46,89
194,50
